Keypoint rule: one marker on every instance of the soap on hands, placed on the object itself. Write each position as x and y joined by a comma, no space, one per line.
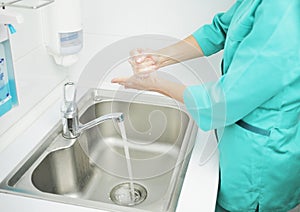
143,62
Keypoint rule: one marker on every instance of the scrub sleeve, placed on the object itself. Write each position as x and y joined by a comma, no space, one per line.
260,85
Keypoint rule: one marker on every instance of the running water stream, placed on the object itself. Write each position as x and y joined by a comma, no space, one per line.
128,161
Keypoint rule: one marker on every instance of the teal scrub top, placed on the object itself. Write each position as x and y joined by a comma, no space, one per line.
255,105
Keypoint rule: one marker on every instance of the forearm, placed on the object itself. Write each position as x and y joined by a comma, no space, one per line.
181,51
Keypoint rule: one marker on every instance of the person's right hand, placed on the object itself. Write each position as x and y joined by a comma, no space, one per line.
143,61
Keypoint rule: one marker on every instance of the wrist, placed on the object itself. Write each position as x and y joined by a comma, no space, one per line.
164,58
157,84
169,88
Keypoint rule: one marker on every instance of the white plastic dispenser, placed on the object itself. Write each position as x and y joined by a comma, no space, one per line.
8,91
63,30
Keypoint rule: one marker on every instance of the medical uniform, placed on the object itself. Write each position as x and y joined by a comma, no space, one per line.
255,105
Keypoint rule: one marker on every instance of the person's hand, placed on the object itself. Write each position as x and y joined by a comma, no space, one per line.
139,82
143,62
153,83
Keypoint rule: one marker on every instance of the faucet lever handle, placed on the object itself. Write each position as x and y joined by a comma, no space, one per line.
69,107
69,92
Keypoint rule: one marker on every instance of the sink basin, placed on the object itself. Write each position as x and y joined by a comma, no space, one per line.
92,171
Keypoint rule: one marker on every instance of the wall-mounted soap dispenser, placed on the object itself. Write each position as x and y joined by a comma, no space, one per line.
63,30
8,91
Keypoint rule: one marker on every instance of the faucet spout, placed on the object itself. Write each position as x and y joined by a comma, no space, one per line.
70,121
115,116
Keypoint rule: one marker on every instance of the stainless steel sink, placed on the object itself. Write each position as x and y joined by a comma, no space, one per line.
87,171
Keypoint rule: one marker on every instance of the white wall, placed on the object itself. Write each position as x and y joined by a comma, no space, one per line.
108,21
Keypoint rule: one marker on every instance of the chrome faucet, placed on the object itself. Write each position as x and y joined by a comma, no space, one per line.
70,122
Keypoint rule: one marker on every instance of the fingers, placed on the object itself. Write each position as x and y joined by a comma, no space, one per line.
147,65
143,65
124,81
120,80
137,56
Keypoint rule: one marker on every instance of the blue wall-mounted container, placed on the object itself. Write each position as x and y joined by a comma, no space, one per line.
8,91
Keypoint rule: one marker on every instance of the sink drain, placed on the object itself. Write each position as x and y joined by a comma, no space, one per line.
121,194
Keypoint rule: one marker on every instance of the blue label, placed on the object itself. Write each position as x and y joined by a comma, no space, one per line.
69,36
